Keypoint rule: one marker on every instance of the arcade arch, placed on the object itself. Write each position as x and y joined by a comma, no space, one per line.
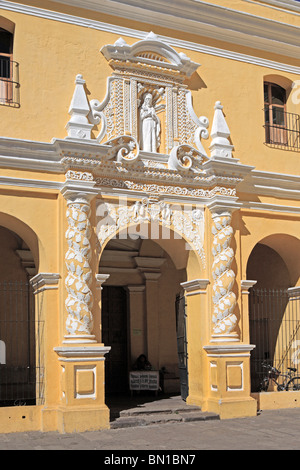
17,321
274,301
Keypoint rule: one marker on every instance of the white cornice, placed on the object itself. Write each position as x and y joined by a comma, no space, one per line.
271,184
286,5
47,157
199,29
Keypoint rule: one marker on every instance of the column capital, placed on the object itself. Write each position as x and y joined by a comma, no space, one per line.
44,281
136,288
293,291
246,285
195,286
79,191
149,267
223,205
100,279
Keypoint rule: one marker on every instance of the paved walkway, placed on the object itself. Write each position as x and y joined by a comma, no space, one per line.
271,430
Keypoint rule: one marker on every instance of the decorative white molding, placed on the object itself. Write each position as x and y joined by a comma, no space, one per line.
148,79
124,149
294,291
238,350
195,286
119,30
290,6
267,183
188,222
261,206
81,353
149,51
44,281
184,158
246,285
100,279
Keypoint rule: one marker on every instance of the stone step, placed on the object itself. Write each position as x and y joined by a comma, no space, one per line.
146,410
146,419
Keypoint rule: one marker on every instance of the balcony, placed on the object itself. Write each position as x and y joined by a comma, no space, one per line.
282,129
9,82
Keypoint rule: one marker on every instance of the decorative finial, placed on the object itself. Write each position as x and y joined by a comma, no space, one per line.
220,145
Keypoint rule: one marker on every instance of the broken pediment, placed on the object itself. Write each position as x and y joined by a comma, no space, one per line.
147,98
150,54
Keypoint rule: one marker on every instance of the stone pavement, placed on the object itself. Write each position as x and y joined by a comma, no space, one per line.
269,430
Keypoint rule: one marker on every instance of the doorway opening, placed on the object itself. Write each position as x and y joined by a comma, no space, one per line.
139,315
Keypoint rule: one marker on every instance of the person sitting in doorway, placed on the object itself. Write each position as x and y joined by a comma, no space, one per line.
142,363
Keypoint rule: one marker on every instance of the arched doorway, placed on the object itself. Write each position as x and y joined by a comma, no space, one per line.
274,313
17,322
139,309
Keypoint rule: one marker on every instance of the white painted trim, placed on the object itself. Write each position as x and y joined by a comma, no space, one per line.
246,285
137,34
286,5
30,183
237,350
196,286
214,21
82,353
100,279
260,206
44,281
294,291
271,184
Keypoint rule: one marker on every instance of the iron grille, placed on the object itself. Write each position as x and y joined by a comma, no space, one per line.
282,129
21,365
182,352
274,320
9,82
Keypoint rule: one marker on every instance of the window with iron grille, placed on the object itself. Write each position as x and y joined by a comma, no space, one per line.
9,83
282,129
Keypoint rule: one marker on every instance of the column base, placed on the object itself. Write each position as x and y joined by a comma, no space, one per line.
74,419
82,401
229,408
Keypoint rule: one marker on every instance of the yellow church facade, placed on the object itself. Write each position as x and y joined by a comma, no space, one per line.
149,195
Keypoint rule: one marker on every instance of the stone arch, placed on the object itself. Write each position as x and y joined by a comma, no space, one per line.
23,231
287,248
159,221
7,24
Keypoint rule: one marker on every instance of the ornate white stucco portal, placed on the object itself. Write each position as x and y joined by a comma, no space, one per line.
142,142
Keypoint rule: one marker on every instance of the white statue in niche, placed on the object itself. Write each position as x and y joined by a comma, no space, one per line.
149,126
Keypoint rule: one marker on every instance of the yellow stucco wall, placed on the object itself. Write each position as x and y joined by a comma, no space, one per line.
50,54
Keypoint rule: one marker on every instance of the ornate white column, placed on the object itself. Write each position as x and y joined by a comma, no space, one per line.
224,319
79,323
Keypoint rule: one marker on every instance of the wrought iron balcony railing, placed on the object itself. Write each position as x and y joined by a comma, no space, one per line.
282,129
9,82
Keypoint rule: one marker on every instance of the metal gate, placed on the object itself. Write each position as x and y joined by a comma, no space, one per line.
21,371
274,320
182,345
